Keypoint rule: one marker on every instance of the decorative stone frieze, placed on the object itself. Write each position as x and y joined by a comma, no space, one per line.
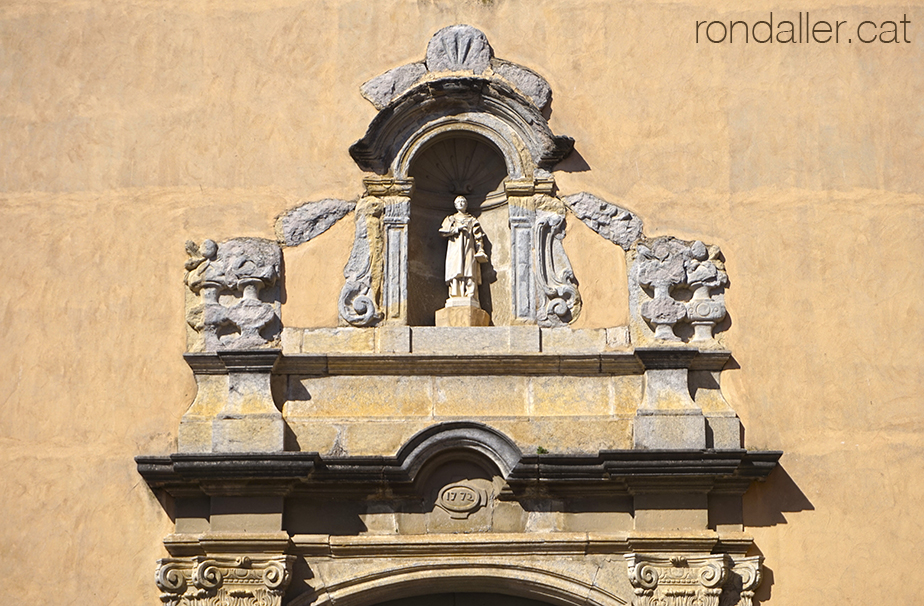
247,580
677,580
308,221
234,295
665,267
618,225
561,300
363,272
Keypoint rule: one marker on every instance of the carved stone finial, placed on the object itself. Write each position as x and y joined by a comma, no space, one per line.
459,48
667,265
227,309
661,267
705,272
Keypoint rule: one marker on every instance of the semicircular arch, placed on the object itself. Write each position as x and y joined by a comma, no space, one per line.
417,578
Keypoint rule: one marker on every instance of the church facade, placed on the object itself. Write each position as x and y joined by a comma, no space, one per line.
469,309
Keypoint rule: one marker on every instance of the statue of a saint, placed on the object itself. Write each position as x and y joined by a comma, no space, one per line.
464,252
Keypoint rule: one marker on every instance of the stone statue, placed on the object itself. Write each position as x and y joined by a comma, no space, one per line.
464,252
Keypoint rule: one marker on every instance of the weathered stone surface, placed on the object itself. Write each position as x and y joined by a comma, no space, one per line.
618,225
310,220
524,80
459,48
235,296
255,580
382,90
486,339
458,315
560,300
338,340
359,297
670,429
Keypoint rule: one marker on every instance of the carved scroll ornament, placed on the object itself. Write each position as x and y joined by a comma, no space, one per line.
560,301
209,581
359,297
677,580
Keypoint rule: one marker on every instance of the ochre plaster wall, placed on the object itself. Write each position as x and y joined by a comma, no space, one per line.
130,126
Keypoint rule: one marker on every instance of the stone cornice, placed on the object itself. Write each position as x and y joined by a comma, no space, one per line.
613,472
606,363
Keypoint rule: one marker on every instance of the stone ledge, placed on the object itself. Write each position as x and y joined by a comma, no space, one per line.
615,472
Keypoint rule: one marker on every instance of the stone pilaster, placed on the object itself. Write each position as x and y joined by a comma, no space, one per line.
396,193
668,417
234,409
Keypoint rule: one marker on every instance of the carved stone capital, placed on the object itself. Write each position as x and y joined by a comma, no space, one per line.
386,186
243,581
744,579
677,580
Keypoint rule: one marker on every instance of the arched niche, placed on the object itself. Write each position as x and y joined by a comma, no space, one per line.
494,109
452,164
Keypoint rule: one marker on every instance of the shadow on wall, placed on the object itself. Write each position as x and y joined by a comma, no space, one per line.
766,502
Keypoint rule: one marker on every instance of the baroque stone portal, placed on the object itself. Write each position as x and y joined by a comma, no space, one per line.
359,463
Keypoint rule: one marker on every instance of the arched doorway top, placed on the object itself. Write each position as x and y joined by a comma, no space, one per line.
545,582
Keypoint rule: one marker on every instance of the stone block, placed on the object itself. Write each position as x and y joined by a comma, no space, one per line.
617,337
723,431
670,429
360,396
564,396
338,340
473,340
462,316
393,339
291,340
480,396
249,433
671,511
567,340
